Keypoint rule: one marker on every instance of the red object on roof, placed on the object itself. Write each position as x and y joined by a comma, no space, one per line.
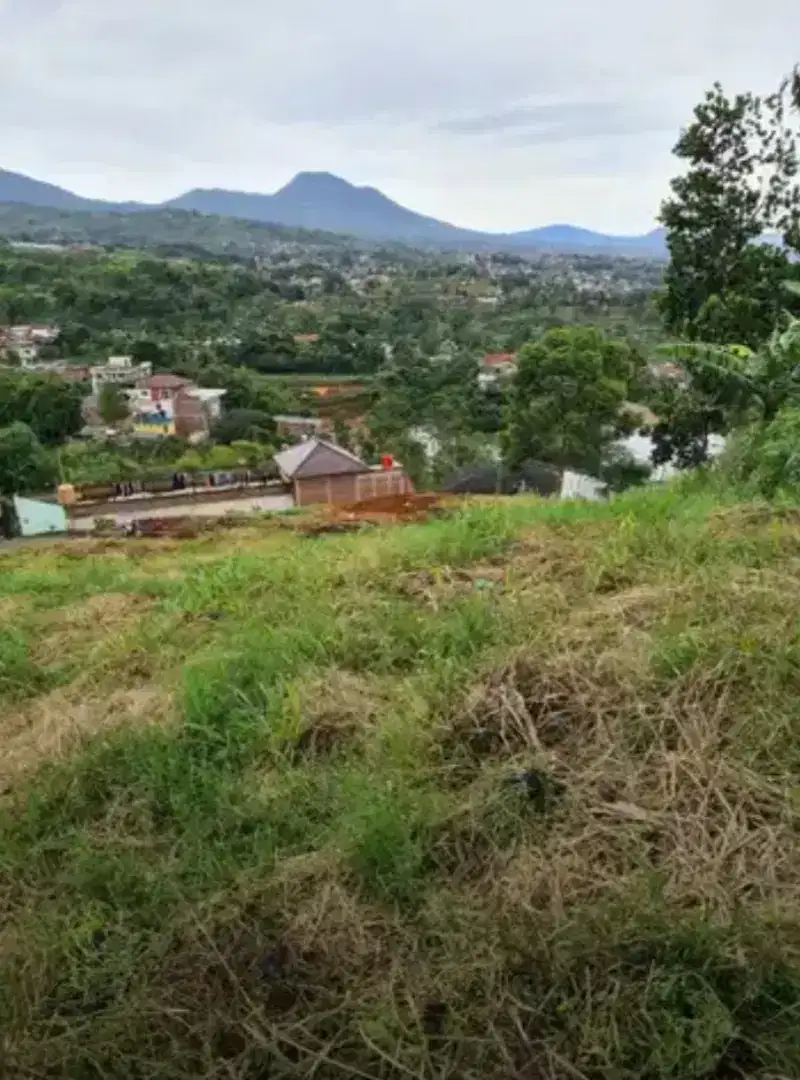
499,359
387,461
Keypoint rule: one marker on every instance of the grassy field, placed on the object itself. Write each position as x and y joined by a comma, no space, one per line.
515,793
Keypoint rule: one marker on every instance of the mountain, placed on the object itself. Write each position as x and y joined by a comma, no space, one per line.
570,238
322,201
16,188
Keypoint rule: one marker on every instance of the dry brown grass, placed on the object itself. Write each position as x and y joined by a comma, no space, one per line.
58,724
71,630
333,710
11,607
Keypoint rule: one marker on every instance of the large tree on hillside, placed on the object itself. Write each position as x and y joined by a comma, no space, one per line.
740,183
566,401
50,406
24,464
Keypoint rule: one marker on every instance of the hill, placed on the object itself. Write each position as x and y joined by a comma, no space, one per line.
511,793
321,201
171,231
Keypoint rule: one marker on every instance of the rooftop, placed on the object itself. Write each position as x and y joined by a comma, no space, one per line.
499,359
167,381
291,460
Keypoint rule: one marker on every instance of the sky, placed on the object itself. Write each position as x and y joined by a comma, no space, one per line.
491,114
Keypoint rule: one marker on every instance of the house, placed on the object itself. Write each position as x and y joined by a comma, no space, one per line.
321,472
306,339
167,404
165,386
25,341
120,371
496,366
74,373
299,427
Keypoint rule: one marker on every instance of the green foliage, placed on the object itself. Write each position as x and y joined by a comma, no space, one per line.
112,404
727,387
249,425
47,404
24,463
172,233
565,405
438,396
766,457
723,283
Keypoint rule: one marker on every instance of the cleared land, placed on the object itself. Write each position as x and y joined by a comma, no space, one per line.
510,793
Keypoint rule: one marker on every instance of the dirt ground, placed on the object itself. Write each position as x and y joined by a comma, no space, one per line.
411,507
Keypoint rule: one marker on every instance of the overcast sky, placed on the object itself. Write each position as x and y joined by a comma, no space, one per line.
492,114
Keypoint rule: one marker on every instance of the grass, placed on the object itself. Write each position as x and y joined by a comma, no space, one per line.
510,794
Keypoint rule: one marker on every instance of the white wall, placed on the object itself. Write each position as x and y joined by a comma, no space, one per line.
38,518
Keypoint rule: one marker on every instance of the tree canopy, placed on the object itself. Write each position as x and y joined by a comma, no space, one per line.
24,463
49,406
723,282
566,402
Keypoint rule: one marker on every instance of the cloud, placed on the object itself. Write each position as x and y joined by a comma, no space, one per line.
560,121
502,116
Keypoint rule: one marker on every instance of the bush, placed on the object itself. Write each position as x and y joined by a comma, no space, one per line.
244,425
766,457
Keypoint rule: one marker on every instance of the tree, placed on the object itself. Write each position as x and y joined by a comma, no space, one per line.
252,454
248,425
50,406
727,387
24,463
723,282
438,394
112,404
220,457
566,401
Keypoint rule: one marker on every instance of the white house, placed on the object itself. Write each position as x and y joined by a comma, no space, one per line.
121,371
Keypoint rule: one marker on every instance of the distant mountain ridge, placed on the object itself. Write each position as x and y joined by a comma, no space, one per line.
319,200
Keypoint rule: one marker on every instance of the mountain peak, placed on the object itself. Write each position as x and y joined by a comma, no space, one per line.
317,183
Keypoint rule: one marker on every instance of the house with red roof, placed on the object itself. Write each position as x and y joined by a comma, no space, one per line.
496,366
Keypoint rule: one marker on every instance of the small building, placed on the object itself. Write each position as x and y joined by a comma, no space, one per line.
496,366
74,373
165,386
25,342
321,472
168,404
298,427
119,370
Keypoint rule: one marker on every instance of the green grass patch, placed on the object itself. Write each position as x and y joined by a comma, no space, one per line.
513,792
